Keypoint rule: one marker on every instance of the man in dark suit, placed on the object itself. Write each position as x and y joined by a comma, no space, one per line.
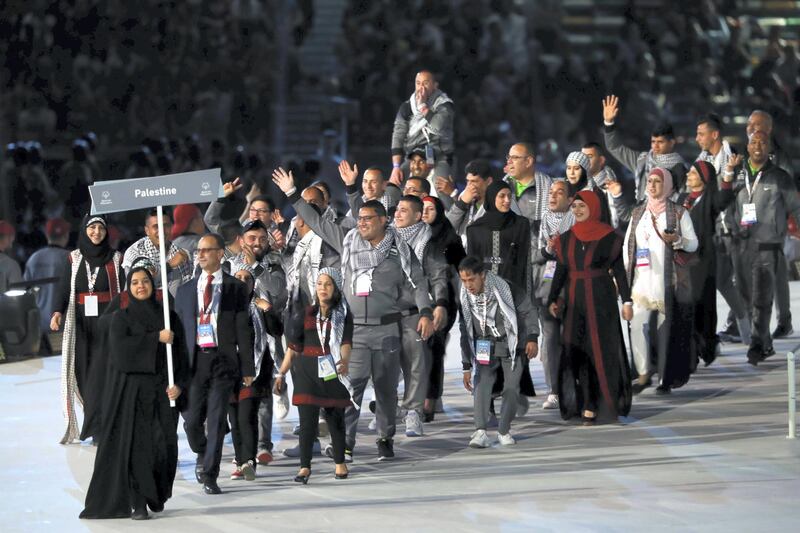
213,308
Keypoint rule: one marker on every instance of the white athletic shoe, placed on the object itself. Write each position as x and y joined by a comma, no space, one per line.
373,424
413,424
480,439
323,427
505,440
551,402
281,405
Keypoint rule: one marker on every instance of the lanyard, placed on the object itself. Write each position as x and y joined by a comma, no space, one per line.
751,190
92,277
323,331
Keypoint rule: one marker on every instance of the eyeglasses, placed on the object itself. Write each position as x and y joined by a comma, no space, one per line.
206,250
260,211
366,218
411,190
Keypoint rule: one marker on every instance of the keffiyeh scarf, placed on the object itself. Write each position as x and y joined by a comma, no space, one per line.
338,316
416,236
360,257
496,292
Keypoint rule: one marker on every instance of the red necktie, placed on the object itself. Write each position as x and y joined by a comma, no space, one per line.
208,295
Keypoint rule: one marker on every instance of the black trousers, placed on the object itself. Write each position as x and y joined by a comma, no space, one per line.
243,418
209,393
759,267
309,428
436,374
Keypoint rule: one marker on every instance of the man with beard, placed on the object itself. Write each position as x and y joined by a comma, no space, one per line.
762,121
378,266
415,356
762,206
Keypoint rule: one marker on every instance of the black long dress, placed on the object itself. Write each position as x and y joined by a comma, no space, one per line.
138,452
594,372
504,244
446,244
704,212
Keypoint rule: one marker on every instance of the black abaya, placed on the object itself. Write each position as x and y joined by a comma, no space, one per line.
594,372
138,452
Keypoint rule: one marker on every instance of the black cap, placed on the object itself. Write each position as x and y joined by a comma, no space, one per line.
252,225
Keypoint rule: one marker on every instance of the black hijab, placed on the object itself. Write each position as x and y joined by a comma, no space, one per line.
494,219
443,235
147,313
96,255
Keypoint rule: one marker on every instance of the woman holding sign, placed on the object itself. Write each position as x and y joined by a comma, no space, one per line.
94,280
138,452
319,346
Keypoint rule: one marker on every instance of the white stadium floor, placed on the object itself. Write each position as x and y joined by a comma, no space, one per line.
713,456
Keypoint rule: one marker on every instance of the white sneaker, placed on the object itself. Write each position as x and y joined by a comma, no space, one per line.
373,424
551,402
248,470
413,424
505,440
480,439
523,404
281,405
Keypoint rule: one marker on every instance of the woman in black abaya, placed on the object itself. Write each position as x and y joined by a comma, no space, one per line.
138,452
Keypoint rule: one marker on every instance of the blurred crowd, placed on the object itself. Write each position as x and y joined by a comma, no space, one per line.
518,70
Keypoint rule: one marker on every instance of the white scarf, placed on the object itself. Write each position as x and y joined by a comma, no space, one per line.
308,253
360,257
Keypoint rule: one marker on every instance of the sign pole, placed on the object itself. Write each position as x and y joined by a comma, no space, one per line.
162,257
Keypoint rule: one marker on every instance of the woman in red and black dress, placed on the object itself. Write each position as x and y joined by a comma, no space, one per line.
594,374
318,355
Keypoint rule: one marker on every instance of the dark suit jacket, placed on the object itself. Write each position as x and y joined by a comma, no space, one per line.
234,330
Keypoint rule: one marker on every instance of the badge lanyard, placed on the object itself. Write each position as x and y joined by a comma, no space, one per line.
322,331
92,277
751,190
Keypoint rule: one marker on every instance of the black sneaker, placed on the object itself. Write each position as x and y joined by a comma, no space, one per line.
661,390
385,449
754,355
782,331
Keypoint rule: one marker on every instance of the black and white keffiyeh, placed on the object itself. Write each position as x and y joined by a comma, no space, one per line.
337,317
496,292
606,173
667,161
308,254
416,236
360,257
553,224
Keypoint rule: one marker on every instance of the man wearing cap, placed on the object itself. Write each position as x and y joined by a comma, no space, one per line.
49,262
188,227
766,196
9,268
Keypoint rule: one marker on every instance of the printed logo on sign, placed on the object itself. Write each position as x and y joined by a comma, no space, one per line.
206,189
106,198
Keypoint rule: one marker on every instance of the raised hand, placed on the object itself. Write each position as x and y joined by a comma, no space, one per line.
396,176
284,180
610,108
232,186
445,185
347,173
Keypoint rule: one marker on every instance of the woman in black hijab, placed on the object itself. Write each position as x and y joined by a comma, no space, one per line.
502,238
138,451
92,281
446,243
